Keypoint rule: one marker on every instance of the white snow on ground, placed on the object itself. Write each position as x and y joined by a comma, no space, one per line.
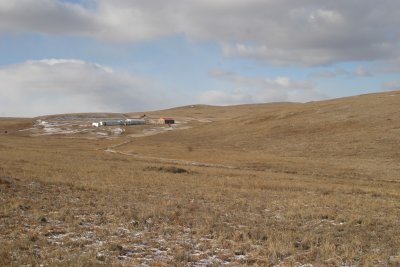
117,131
54,127
70,126
102,133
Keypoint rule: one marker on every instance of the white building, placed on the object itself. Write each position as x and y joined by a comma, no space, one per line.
119,122
112,122
135,122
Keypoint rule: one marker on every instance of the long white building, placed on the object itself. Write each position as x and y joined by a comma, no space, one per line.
119,122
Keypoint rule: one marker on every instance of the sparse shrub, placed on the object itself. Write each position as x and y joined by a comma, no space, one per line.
171,169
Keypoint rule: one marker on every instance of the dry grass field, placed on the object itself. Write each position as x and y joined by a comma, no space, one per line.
315,184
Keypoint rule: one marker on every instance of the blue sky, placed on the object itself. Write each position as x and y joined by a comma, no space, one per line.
135,55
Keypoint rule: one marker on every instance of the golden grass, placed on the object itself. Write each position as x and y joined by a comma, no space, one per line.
291,187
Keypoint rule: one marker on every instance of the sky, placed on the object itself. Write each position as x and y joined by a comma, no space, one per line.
68,56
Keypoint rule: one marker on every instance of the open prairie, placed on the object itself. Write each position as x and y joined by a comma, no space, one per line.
283,184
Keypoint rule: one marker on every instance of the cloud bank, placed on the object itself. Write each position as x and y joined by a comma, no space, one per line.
360,71
255,89
305,32
392,85
63,85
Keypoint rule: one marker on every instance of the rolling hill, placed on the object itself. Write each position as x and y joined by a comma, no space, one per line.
357,134
281,184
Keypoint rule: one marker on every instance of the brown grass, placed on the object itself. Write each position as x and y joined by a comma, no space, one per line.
282,184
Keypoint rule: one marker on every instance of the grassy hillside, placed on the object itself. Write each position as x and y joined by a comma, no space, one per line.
280,184
357,134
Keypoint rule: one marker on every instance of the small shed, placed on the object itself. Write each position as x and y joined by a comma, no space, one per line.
167,121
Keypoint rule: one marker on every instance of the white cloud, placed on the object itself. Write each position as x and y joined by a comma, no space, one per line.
330,73
308,32
259,89
46,16
360,71
114,21
286,89
67,85
392,85
221,98
394,66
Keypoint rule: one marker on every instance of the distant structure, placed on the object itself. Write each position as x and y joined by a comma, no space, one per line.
142,121
135,122
112,122
119,122
166,121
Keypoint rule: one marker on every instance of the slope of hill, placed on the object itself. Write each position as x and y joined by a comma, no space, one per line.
358,133
284,184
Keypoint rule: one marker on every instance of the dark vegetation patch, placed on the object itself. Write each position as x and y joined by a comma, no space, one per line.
7,180
170,169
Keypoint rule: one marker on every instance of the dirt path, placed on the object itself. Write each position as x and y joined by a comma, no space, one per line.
167,160
112,148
